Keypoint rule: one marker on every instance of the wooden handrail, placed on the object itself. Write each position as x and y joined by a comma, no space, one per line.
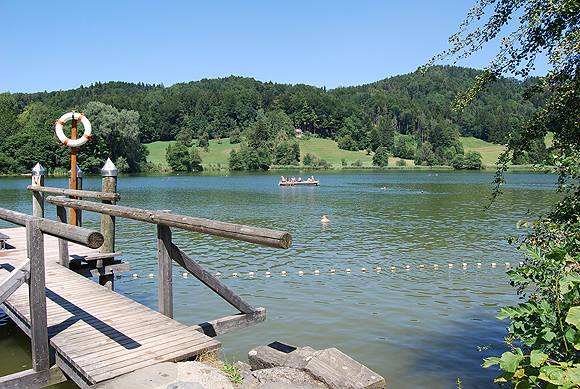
88,194
80,235
262,236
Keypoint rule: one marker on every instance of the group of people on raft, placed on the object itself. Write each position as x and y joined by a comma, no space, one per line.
291,181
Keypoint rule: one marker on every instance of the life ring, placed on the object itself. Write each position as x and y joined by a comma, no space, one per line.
58,126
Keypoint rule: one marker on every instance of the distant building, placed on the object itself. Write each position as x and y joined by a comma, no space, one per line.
298,133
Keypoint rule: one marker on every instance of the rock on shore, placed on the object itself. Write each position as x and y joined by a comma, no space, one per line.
275,366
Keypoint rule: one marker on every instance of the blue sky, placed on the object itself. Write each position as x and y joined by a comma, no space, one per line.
60,45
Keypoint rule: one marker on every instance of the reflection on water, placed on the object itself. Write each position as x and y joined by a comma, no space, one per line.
417,327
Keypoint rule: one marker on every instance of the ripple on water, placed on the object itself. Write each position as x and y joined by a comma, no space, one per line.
392,321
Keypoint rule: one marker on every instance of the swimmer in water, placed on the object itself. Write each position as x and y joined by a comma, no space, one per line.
325,219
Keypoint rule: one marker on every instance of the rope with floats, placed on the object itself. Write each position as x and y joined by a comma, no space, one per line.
284,273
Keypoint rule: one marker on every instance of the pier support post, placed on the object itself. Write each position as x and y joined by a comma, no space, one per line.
164,262
76,215
63,257
37,296
38,197
109,173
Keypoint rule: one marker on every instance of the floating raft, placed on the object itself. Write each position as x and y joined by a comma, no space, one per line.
299,183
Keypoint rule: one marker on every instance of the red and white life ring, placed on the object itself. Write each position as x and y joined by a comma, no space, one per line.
58,126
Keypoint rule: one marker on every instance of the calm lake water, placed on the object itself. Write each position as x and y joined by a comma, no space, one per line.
419,328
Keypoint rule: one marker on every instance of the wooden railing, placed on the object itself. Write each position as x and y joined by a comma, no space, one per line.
105,264
32,271
168,251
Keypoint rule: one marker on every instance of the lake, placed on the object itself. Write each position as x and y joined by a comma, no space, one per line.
418,327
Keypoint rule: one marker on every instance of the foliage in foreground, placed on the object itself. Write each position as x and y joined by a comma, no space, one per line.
544,334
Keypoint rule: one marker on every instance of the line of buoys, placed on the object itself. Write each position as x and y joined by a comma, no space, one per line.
331,271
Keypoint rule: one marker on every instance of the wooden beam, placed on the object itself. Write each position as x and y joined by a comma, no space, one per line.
31,379
17,277
210,280
262,236
164,262
79,235
109,185
79,193
105,270
63,257
37,296
231,323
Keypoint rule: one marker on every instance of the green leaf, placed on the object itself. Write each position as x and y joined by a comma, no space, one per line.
491,361
505,377
553,374
568,281
576,341
574,374
510,361
523,385
516,276
557,255
511,312
573,316
537,358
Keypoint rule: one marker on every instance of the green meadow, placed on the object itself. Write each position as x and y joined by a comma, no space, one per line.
218,153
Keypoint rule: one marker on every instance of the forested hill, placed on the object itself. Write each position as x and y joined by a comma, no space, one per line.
414,101
362,117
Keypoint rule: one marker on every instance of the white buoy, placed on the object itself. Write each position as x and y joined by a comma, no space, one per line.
450,265
436,266
493,264
407,267
234,274
184,275
267,274
332,271
283,272
151,275
507,264
393,268
379,269
348,270
316,271
363,270
300,272
478,264
464,264
521,264
251,274
218,274
135,275
421,266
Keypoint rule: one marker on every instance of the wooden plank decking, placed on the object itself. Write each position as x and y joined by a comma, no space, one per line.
96,334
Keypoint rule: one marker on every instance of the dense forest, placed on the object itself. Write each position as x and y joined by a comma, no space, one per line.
409,116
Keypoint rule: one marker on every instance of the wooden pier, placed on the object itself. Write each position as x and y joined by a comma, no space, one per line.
95,333
91,333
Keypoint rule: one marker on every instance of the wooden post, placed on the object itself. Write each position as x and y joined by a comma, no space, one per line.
37,296
38,197
77,214
165,283
109,173
73,168
63,256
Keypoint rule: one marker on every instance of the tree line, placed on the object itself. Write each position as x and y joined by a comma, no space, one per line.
409,116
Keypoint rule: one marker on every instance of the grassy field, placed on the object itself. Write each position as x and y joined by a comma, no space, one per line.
488,151
218,154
